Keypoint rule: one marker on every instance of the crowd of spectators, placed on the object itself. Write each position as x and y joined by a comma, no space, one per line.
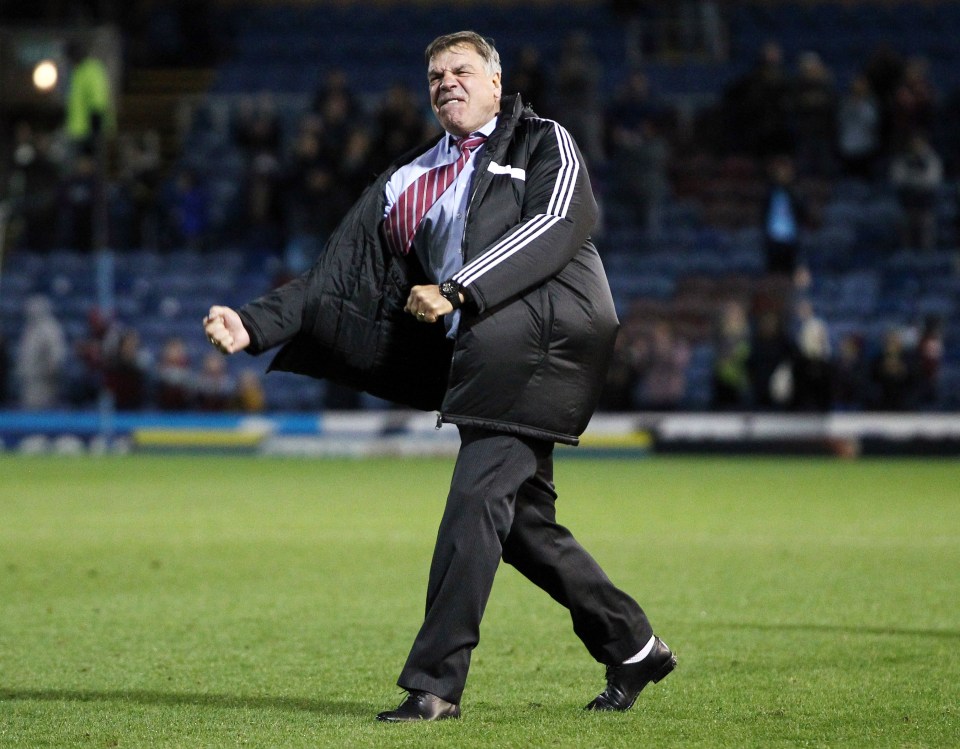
109,360
793,121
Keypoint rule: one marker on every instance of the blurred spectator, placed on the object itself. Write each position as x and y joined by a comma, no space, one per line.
784,214
126,372
916,173
731,376
770,362
337,108
913,109
884,71
575,97
92,351
32,189
638,19
186,212
892,375
310,200
76,204
90,106
137,187
930,350
400,126
850,374
858,130
40,356
756,107
258,133
527,77
174,380
662,358
250,395
215,389
814,117
639,156
812,378
4,371
622,373
256,126
354,170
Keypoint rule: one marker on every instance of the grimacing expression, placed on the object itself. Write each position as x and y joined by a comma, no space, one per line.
463,95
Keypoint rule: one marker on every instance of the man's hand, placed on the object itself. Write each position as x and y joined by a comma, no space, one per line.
225,331
426,304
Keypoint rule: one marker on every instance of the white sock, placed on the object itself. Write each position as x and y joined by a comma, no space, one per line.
643,653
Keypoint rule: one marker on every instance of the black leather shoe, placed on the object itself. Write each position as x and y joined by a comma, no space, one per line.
627,680
421,706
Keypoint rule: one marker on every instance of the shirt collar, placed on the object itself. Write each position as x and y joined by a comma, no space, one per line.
485,131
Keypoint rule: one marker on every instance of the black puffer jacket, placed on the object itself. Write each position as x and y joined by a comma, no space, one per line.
539,324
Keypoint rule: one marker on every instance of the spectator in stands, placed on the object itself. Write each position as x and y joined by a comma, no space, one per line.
930,351
90,107
93,350
731,375
858,130
770,362
916,173
850,374
812,377
784,215
174,386
256,127
892,376
639,21
32,190
661,359
76,205
4,371
575,95
339,111
639,156
622,374
914,106
138,184
186,212
250,395
126,372
756,107
399,126
529,78
215,389
814,117
884,71
354,168
310,188
41,355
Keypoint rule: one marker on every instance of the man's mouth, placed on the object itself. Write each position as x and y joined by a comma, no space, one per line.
443,102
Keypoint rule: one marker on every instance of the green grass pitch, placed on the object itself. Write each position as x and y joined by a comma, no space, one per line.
206,601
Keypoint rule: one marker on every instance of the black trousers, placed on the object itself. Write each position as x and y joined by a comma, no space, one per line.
501,505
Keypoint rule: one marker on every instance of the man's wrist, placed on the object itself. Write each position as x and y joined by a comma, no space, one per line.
453,293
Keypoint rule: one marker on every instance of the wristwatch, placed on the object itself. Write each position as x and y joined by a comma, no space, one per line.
450,290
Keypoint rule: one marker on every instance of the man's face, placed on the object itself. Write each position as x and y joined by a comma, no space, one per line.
463,95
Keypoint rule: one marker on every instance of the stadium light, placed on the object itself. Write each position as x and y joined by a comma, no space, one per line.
45,75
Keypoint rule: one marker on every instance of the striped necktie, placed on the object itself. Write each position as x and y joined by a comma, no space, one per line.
419,196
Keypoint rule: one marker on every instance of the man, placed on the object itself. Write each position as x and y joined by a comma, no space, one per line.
496,313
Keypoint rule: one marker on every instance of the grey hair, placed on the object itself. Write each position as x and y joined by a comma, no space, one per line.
483,45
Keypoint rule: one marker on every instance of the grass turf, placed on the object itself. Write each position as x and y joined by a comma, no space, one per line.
218,601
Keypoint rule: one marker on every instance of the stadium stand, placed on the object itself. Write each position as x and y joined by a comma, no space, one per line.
863,280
